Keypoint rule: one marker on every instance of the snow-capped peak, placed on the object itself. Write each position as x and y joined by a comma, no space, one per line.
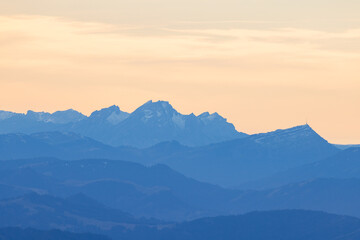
66,116
179,120
207,117
59,117
154,110
117,117
163,106
38,116
112,114
301,131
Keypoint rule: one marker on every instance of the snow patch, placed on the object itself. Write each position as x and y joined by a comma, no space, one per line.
39,116
206,117
179,120
281,134
147,115
116,118
5,115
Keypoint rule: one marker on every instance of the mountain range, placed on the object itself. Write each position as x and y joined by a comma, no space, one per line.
143,191
159,192
157,174
230,163
251,158
281,225
76,213
151,123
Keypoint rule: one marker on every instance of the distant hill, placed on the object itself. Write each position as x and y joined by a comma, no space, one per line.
346,146
257,156
339,196
229,163
154,191
279,225
151,123
77,213
73,213
50,144
160,192
345,164
13,233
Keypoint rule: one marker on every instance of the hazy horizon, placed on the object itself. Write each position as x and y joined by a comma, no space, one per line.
197,114
263,65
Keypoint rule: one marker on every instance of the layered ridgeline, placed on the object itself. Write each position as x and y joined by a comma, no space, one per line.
152,123
162,193
251,158
81,214
16,233
156,191
280,225
153,185
229,163
77,213
343,165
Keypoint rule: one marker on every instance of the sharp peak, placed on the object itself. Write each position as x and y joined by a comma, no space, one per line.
110,109
206,114
151,102
299,127
32,111
67,110
57,111
158,104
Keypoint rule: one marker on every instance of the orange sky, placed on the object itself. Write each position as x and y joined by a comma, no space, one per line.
262,64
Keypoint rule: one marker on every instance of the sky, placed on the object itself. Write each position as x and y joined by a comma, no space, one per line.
262,64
